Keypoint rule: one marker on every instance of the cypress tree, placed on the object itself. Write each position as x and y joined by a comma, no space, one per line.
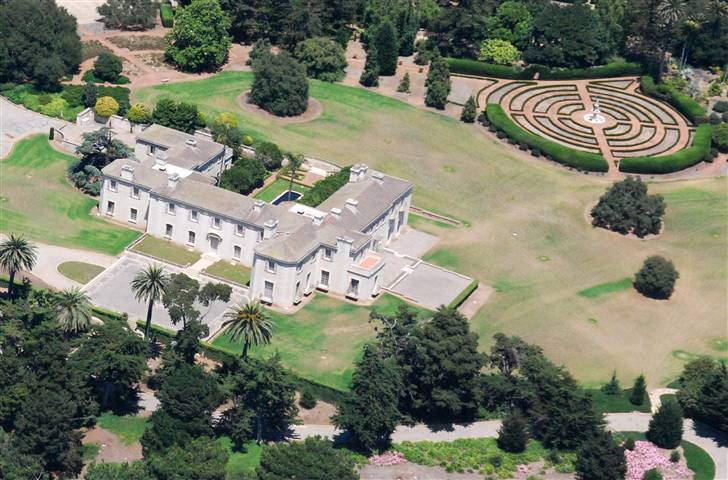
469,111
387,45
408,31
512,436
600,458
404,84
612,388
438,84
637,397
666,426
370,75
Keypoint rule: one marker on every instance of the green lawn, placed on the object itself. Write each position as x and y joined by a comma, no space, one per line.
128,428
322,340
605,288
527,231
166,250
79,271
232,272
37,201
604,403
272,191
241,463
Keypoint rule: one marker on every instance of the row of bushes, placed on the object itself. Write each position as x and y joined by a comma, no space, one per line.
65,104
684,104
166,14
90,76
586,161
215,353
465,66
457,301
323,189
687,157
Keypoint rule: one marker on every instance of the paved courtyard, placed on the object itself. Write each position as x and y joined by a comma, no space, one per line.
429,285
111,290
17,122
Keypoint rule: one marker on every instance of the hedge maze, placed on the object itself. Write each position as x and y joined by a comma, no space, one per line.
635,125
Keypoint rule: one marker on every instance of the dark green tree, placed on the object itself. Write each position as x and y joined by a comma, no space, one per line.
31,53
387,47
442,366
89,94
187,340
652,474
627,208
16,465
666,426
512,22
639,390
656,278
407,28
460,27
703,393
117,471
370,75
128,14
261,47
612,387
280,86
513,434
181,116
600,458
404,84
371,412
469,111
323,58
182,295
199,40
244,176
201,459
97,150
313,459
108,67
269,155
438,84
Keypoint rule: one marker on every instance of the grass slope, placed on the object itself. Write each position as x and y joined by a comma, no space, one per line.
37,201
528,233
80,272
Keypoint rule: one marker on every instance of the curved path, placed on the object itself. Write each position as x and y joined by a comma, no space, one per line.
710,440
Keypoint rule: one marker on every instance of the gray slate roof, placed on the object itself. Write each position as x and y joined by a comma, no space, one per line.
178,151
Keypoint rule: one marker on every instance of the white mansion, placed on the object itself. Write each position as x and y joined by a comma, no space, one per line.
292,249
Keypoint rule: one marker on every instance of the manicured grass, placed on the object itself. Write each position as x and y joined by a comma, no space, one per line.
605,288
480,455
241,463
322,340
37,201
79,271
698,461
604,403
272,191
128,428
233,272
166,250
667,397
443,258
521,210
422,223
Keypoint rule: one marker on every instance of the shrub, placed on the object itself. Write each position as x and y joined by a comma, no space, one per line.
626,208
715,89
720,137
652,474
675,162
639,390
128,14
612,387
683,103
720,106
323,189
513,436
666,426
629,443
323,58
724,117
89,95
308,399
314,458
280,86
481,69
714,119
140,113
247,140
106,107
404,84
166,14
499,52
469,111
656,279
108,67
438,84
244,176
674,456
600,458
181,116
269,155
560,153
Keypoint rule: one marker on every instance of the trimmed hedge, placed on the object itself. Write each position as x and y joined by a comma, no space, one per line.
559,153
457,301
166,14
691,109
677,161
466,66
323,189
215,353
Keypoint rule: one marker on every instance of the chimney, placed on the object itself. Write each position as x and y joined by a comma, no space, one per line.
378,177
352,204
343,245
258,206
172,180
354,173
336,212
160,161
318,218
270,228
191,142
127,172
362,171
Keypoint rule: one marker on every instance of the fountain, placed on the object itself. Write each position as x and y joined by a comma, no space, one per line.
595,116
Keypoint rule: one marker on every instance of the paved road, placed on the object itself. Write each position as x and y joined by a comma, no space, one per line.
713,442
17,122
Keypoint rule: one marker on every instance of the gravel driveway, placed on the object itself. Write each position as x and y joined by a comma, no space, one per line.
17,122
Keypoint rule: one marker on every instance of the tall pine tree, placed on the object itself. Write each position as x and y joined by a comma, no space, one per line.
387,45
600,458
666,426
438,84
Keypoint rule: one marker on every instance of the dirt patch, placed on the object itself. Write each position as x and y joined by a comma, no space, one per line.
139,42
92,49
154,60
314,111
111,448
412,471
319,415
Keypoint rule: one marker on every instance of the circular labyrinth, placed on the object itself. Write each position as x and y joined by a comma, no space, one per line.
633,125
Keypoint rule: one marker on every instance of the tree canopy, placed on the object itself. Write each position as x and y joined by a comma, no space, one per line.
323,58
627,208
280,86
199,39
128,14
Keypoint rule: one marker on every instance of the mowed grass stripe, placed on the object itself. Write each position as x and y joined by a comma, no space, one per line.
605,288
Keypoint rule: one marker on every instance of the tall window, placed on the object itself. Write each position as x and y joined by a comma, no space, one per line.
193,215
324,278
168,230
354,287
216,222
109,208
271,266
239,230
112,185
268,290
134,192
133,215
328,254
236,252
191,237
170,208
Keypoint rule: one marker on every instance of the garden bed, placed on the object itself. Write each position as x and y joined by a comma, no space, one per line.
231,272
139,42
80,272
675,162
90,76
166,251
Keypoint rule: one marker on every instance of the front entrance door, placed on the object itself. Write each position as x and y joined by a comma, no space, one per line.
214,243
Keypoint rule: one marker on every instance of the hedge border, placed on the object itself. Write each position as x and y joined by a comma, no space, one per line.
465,66
213,352
591,162
674,162
688,107
460,299
166,14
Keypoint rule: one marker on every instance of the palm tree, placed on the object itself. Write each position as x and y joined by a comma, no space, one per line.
73,308
148,286
295,160
249,322
669,13
16,253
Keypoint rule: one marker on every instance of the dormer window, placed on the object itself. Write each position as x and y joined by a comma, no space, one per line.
216,222
270,266
328,254
134,192
170,208
239,230
112,185
193,215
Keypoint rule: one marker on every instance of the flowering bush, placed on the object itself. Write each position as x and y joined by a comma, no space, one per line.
646,456
387,458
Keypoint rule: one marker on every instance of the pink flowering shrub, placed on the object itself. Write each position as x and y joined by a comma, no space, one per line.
387,458
522,469
646,456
